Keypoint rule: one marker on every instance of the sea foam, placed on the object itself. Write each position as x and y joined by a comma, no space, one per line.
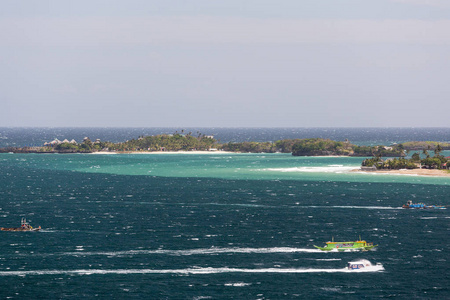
202,251
187,271
327,169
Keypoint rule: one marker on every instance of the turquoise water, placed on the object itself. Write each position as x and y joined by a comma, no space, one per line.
218,165
216,226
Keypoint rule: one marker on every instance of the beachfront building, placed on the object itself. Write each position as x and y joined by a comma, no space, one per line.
56,142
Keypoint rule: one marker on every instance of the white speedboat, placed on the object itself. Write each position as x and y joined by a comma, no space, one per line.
364,264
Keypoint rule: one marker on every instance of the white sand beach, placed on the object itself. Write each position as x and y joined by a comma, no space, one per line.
417,172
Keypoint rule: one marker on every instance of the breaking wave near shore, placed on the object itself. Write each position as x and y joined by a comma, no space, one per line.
321,169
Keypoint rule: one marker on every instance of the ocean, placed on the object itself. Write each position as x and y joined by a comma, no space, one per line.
218,225
20,137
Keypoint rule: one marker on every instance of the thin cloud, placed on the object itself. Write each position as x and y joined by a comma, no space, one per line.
195,30
436,3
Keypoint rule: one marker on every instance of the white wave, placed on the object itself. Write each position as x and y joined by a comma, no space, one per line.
331,289
327,169
368,207
200,251
238,284
350,206
193,271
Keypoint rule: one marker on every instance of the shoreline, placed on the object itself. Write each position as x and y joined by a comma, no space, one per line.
161,152
413,172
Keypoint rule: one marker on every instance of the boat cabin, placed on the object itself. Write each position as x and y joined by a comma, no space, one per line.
360,264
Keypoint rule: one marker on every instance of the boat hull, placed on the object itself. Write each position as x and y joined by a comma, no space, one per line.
20,229
423,207
347,246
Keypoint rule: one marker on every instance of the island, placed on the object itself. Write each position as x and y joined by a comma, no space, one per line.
436,165
385,159
189,142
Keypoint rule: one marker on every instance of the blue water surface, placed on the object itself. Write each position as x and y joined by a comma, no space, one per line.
240,226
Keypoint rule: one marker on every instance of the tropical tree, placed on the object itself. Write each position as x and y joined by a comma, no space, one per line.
415,157
437,150
432,162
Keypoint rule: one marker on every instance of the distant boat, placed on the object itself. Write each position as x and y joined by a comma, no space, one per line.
410,204
364,264
347,246
24,226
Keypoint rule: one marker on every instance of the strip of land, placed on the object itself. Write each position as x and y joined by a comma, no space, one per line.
416,172
163,152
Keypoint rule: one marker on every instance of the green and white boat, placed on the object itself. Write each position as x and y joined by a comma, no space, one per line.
347,246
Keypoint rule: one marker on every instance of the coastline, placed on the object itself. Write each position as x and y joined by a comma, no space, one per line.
413,172
162,152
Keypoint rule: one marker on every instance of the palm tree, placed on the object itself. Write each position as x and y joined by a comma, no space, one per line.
437,150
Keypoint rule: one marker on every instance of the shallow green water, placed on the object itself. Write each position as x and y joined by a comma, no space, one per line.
224,166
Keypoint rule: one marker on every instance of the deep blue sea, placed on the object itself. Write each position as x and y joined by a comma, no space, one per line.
20,137
218,225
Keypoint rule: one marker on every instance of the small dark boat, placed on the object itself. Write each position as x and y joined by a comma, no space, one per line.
24,226
409,204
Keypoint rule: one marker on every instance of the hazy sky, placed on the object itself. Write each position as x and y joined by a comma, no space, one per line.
225,63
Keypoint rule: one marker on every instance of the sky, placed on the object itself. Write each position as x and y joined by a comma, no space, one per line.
225,63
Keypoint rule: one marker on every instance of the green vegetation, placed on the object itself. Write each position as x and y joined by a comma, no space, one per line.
415,157
426,146
378,151
435,162
312,147
87,146
249,147
281,146
319,147
298,147
391,164
165,142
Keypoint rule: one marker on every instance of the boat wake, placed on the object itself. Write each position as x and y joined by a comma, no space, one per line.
188,271
203,251
345,207
367,207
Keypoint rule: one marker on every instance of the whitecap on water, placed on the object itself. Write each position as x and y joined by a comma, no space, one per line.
237,284
331,289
